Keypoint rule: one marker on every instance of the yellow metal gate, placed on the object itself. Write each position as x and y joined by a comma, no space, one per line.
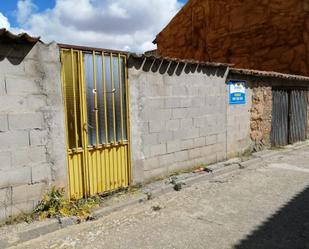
95,91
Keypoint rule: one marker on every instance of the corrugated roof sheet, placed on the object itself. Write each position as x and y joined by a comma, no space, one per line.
268,74
19,37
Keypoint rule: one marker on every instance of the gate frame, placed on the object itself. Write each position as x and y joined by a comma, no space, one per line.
83,110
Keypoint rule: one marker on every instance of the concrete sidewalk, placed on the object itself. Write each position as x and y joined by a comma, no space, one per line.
262,206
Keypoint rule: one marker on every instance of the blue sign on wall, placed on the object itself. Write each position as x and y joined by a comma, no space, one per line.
237,92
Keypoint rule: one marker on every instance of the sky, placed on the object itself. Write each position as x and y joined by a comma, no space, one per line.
114,24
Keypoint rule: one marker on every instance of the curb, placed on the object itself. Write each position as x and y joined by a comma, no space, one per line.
147,193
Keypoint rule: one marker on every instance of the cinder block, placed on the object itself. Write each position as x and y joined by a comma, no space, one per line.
165,136
155,173
156,103
199,122
199,142
186,102
180,113
29,155
4,122
179,91
221,138
186,123
194,153
29,192
35,102
186,133
152,163
22,121
15,177
2,86
159,149
181,156
172,102
156,114
12,103
166,160
173,146
38,137
156,126
212,139
14,139
5,160
23,85
5,197
187,144
41,173
21,208
198,102
173,125
150,139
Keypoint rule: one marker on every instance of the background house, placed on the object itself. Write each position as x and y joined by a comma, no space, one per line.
265,35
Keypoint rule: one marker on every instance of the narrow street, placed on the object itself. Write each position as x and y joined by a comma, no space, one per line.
263,206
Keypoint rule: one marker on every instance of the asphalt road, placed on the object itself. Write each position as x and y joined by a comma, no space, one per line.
264,206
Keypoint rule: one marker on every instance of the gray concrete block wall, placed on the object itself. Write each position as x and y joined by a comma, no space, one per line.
177,122
238,126
32,141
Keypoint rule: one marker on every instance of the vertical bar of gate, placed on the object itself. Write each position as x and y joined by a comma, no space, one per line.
120,95
113,97
95,97
74,99
104,95
128,157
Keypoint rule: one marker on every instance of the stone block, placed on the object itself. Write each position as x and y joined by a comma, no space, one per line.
41,173
22,121
156,150
156,126
23,85
5,160
29,155
4,125
27,193
21,208
186,102
155,103
179,91
15,177
36,102
172,125
38,137
14,139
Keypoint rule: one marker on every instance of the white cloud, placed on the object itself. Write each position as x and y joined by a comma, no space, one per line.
24,10
4,22
115,24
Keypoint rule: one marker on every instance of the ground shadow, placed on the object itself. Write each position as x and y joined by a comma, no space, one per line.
287,229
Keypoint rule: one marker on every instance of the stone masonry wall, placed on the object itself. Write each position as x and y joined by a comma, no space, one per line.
261,115
177,122
271,35
32,147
